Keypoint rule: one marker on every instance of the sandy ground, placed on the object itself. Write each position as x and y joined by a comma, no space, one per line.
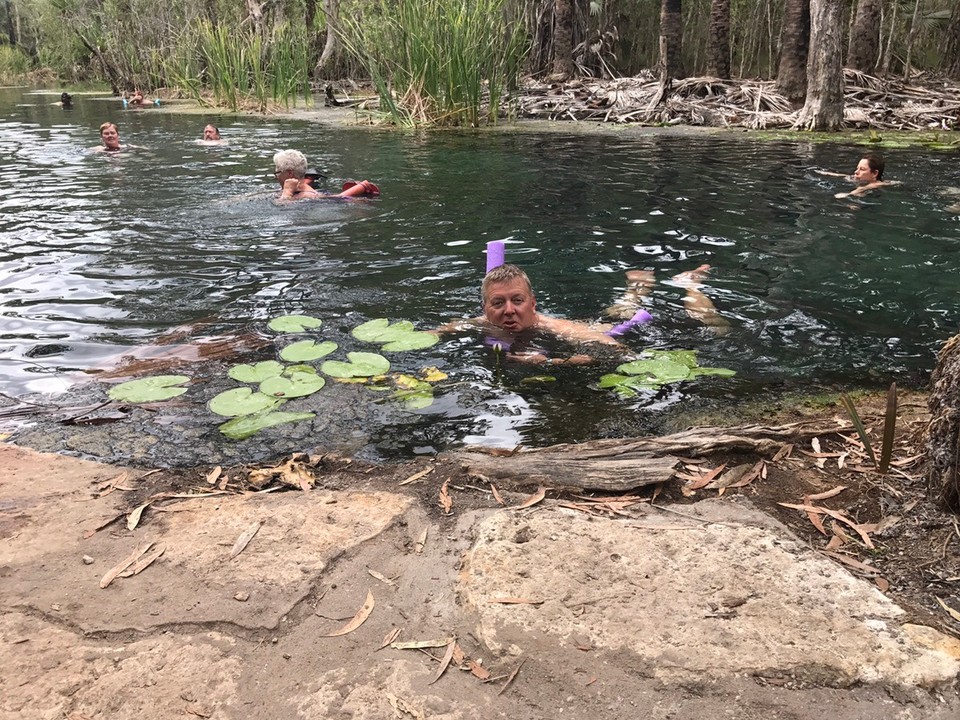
706,610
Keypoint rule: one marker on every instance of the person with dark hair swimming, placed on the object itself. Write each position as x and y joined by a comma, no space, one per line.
867,176
66,101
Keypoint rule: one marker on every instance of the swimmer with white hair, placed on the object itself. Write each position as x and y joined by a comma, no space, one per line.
290,169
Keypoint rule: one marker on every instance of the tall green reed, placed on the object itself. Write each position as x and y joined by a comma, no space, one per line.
439,62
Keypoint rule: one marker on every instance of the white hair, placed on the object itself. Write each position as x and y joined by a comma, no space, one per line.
292,160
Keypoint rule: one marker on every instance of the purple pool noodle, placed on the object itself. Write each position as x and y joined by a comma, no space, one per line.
495,250
641,317
497,343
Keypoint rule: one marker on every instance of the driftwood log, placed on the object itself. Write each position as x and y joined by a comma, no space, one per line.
943,436
620,465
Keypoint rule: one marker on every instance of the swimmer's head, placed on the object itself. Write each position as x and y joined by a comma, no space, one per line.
869,169
508,299
211,132
66,98
293,162
110,136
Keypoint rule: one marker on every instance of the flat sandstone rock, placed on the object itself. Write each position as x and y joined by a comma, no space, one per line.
732,593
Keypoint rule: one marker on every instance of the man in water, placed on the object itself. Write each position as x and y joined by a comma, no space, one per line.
211,134
510,317
290,169
110,137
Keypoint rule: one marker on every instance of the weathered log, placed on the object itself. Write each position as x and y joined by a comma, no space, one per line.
620,465
943,433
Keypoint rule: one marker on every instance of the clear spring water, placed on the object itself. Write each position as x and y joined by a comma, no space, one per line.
100,253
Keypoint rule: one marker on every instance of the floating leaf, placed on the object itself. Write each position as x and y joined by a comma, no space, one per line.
299,368
432,374
362,614
412,341
682,357
294,323
538,379
722,372
381,331
361,364
656,370
151,389
298,384
255,373
241,401
307,350
241,428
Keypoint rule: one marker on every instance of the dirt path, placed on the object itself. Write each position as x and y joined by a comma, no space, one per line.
705,610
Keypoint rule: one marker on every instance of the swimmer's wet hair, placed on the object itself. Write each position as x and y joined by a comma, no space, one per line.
876,163
292,160
501,274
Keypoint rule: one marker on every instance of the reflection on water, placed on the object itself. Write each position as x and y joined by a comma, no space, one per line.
103,252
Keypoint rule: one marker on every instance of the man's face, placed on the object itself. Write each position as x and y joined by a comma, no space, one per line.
110,137
863,174
510,305
210,133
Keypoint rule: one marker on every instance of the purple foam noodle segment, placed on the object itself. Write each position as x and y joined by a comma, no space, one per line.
495,253
497,343
641,317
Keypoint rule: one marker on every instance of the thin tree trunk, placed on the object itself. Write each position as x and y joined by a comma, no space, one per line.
823,109
331,9
865,37
914,28
671,34
953,44
718,52
11,26
794,47
562,60
888,53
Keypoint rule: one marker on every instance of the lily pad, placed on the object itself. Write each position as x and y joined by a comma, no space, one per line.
658,371
722,372
627,385
294,323
381,331
151,389
243,427
307,350
255,373
432,374
540,379
361,364
297,384
241,401
416,340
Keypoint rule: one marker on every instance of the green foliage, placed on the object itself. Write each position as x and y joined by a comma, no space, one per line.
307,350
360,365
151,389
439,62
655,369
397,337
858,424
14,64
241,428
241,401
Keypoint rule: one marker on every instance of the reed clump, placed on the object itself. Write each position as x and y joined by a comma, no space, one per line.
439,62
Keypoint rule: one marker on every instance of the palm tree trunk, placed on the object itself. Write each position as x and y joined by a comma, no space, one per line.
794,47
562,61
718,51
865,37
671,40
943,433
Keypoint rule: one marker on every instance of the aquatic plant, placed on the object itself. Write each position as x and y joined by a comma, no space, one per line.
307,350
292,384
439,62
255,373
151,389
241,401
657,368
396,337
294,323
241,428
359,365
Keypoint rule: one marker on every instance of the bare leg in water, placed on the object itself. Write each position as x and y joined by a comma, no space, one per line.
697,305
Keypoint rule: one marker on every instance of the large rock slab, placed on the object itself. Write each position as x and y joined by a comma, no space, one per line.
728,593
195,580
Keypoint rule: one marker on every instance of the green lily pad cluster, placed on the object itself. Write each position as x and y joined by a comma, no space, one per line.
151,389
655,369
395,337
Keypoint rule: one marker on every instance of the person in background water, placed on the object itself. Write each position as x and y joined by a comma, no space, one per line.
66,101
137,98
290,169
867,176
211,135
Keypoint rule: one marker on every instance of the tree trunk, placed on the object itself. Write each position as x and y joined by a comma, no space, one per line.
911,36
823,109
943,434
951,58
11,26
671,34
865,37
888,53
331,9
562,60
794,45
718,51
